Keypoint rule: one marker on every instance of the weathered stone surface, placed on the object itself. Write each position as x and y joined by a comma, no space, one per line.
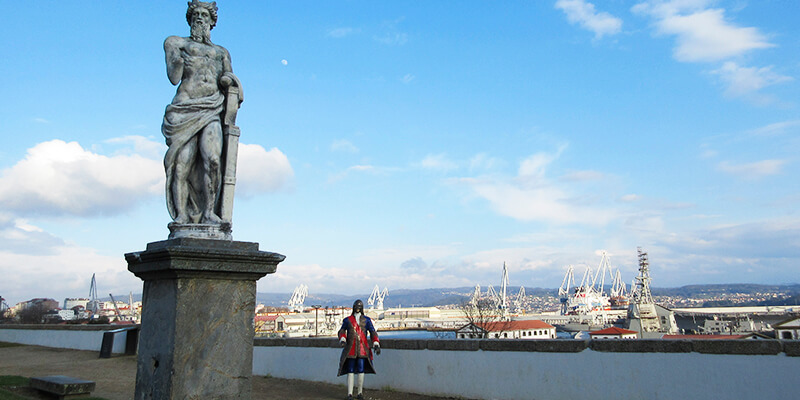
202,258
542,345
311,342
403,344
791,347
197,321
641,346
737,346
199,126
63,386
445,344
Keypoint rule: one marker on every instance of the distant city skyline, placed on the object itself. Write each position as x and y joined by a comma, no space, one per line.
416,145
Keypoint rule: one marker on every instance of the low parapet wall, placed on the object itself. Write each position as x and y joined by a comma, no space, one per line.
78,337
514,369
554,369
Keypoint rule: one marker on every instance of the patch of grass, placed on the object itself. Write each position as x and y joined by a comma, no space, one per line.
6,344
13,380
388,389
6,395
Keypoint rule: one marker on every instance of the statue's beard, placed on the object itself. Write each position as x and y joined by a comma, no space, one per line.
201,32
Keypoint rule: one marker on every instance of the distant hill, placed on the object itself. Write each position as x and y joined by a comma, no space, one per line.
445,296
697,291
395,298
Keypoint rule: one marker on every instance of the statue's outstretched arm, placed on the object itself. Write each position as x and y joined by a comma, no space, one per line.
172,51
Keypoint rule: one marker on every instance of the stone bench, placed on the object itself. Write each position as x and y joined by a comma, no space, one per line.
62,387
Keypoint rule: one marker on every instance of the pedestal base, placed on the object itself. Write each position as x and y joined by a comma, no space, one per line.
200,231
197,331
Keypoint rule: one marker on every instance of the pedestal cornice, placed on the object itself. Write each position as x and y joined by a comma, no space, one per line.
202,258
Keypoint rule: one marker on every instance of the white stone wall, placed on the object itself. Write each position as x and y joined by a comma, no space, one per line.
584,375
63,338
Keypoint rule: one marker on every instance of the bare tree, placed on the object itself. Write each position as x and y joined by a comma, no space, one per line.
484,319
33,314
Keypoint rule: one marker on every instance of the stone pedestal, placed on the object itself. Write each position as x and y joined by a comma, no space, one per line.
197,331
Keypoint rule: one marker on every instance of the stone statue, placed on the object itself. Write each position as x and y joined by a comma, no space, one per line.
356,357
199,129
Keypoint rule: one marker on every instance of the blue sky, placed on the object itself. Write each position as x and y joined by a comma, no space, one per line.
417,144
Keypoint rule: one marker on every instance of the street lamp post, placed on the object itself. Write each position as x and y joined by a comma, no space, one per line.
316,319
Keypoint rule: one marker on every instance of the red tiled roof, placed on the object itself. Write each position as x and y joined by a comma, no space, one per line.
266,317
613,331
514,325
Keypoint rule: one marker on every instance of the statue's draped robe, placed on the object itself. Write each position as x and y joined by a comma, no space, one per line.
182,123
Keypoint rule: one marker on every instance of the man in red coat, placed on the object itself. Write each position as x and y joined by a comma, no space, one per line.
356,355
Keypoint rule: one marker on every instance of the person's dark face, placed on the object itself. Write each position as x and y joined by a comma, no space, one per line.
358,307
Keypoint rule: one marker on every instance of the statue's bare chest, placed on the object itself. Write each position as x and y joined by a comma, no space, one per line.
199,51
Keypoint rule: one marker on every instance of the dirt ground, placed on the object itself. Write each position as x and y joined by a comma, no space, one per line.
115,377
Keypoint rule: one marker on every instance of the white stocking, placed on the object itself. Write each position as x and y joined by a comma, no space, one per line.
360,383
350,384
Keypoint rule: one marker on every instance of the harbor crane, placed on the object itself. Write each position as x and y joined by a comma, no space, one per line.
298,298
476,295
94,304
503,296
375,300
116,309
519,301
564,292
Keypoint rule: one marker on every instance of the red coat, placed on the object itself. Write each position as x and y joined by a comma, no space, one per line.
357,345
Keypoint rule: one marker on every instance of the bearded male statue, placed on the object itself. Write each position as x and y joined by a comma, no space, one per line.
203,109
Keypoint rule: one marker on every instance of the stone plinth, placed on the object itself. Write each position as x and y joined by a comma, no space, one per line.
197,331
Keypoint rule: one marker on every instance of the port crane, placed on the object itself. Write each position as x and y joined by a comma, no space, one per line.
298,298
94,304
3,307
375,300
116,309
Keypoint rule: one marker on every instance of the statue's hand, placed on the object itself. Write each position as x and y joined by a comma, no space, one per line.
225,81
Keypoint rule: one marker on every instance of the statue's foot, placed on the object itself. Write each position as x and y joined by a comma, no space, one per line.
211,218
182,219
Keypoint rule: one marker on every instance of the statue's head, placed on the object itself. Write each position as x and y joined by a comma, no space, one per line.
202,9
358,307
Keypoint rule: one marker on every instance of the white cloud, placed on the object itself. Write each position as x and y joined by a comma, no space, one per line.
482,161
141,145
530,196
391,34
261,171
774,129
630,198
438,162
407,78
60,178
344,146
19,237
392,39
62,271
753,170
339,33
583,176
40,120
357,169
584,14
702,34
741,81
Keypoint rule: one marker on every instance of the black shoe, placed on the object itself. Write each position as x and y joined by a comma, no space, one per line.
349,397
360,397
